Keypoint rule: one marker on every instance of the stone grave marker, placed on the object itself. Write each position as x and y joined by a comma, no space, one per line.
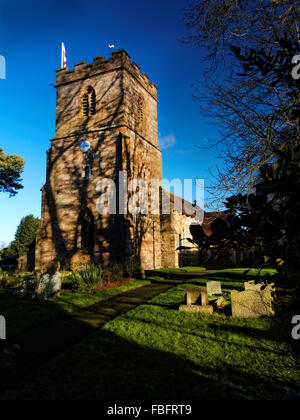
252,303
213,288
2,328
49,286
196,300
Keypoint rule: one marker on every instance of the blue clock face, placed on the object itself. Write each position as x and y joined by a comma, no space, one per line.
85,146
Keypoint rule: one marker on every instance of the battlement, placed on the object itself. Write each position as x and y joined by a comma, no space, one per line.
119,60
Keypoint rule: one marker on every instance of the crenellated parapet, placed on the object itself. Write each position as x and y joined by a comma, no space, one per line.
120,60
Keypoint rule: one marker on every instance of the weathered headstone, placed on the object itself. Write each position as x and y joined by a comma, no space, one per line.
2,328
252,303
213,288
49,286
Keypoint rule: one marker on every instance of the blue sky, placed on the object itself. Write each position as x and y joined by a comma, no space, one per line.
31,33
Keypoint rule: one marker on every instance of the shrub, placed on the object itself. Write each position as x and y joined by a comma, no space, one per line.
114,273
3,280
133,267
86,280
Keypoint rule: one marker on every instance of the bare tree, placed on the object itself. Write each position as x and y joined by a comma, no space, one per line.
246,43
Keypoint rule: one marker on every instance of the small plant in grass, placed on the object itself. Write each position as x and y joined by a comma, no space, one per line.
88,279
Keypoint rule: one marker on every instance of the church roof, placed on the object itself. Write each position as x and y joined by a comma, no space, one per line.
182,206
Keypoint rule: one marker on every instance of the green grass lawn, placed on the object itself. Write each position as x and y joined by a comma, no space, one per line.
157,352
177,270
170,272
22,314
234,278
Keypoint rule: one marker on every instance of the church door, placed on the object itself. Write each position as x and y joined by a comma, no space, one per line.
87,230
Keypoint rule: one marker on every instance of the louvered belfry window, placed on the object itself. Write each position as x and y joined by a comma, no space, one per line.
89,102
140,113
85,105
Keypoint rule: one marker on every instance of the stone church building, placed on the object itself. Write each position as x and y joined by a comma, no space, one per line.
110,108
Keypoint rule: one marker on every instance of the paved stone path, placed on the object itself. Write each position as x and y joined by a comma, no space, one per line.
22,354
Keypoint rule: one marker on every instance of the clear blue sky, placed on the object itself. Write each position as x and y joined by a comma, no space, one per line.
31,33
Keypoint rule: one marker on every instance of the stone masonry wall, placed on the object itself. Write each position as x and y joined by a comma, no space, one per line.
120,140
123,134
67,193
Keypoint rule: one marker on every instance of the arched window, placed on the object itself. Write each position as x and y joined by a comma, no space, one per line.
89,102
87,230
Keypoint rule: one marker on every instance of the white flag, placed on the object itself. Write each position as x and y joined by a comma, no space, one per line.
63,56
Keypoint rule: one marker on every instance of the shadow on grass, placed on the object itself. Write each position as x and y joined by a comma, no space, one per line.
247,332
41,342
225,277
158,274
202,281
225,287
274,333
22,314
106,366
230,276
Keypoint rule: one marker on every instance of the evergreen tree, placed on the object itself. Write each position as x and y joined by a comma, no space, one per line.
25,235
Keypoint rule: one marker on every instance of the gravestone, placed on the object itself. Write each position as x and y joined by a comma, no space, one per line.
252,303
49,286
213,288
2,328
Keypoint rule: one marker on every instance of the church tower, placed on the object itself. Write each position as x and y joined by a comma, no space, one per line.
106,122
